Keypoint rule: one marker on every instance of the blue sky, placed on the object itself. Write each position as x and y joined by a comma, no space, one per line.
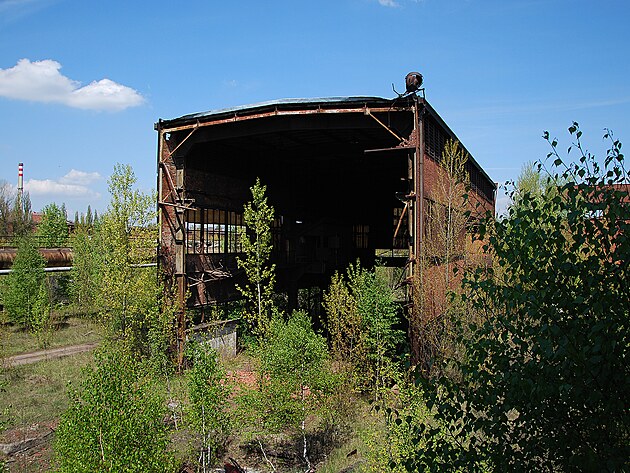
82,82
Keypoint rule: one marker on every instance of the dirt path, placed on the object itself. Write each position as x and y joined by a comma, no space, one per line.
36,356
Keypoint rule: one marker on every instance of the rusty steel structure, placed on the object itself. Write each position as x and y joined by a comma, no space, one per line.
55,257
348,178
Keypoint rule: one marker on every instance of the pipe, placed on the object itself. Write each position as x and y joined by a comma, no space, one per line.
62,269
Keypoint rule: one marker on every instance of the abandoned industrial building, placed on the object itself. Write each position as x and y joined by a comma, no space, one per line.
348,178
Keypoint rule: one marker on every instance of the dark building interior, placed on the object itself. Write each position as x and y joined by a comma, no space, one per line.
338,174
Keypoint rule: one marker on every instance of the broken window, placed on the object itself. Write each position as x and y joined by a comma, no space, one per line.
360,233
400,228
214,231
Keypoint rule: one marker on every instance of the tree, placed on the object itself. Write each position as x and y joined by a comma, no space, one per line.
343,321
89,218
295,381
127,293
379,317
110,274
260,273
530,183
444,252
115,421
22,216
6,203
15,212
545,382
208,396
362,319
534,183
53,229
40,317
87,262
87,268
23,285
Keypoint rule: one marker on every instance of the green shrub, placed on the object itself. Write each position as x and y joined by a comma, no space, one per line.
115,421
295,383
23,285
545,383
208,394
362,318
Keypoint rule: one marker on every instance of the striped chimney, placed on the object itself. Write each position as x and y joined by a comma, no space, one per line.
20,177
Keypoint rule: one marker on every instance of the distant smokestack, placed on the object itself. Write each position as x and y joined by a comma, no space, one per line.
20,178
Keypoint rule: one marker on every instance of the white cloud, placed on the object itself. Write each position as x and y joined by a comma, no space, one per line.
49,187
41,81
72,185
81,178
388,3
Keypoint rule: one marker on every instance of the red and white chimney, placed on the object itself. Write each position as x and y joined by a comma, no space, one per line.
20,177
20,185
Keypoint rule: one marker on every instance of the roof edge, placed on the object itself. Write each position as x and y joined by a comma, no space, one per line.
310,104
281,104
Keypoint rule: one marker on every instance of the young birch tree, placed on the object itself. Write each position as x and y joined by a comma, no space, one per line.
115,419
23,294
208,394
295,385
21,219
127,293
87,268
53,229
445,250
260,273
362,318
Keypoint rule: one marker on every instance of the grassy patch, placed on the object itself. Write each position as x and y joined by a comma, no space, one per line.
353,453
37,393
70,331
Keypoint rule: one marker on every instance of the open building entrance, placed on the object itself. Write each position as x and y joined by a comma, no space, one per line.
348,178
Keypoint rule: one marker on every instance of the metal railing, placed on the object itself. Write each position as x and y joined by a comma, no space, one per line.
11,241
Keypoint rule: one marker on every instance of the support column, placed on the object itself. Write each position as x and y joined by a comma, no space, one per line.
172,250
416,233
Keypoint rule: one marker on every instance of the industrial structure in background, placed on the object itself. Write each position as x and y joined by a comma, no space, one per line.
348,177
57,259
20,186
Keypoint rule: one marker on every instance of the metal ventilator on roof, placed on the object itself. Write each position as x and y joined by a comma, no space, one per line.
413,85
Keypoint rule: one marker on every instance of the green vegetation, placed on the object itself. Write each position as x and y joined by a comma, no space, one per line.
16,217
444,254
53,229
544,384
523,368
126,295
362,319
86,274
115,419
25,294
208,396
257,245
295,384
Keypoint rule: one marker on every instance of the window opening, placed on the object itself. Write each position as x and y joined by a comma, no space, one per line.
402,237
360,233
214,231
